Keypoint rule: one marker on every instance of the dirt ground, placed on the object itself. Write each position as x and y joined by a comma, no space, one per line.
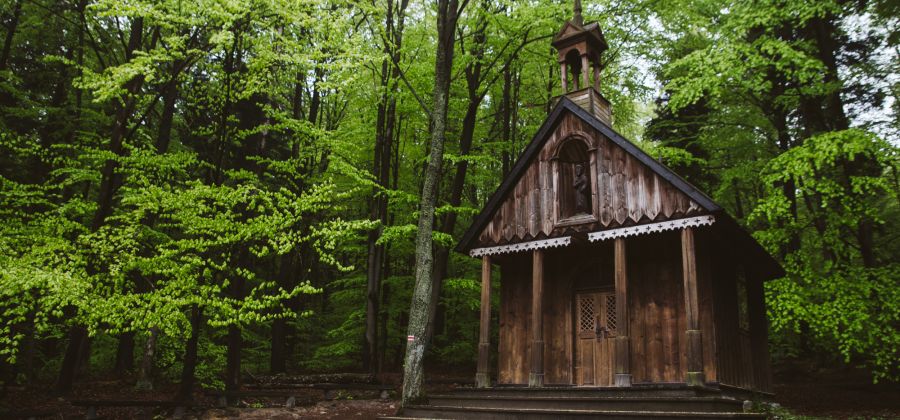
836,393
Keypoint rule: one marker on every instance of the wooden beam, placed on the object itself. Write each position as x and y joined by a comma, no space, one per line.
585,72
483,374
536,378
622,343
563,72
694,347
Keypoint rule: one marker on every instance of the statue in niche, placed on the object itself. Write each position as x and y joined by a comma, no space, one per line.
582,190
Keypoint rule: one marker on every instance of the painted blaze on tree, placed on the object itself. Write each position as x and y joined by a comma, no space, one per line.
614,270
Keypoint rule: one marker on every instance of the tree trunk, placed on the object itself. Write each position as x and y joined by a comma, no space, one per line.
10,34
124,354
145,374
235,342
278,356
186,388
72,359
473,72
413,371
384,137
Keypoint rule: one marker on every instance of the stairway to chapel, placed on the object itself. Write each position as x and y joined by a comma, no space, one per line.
562,403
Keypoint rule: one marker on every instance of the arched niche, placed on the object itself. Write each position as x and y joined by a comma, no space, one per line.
573,169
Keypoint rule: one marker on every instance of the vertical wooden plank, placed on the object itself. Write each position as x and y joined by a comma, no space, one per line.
483,372
759,332
554,192
556,312
669,198
585,72
632,168
595,190
653,189
606,213
521,208
536,379
620,203
694,349
546,198
706,299
622,352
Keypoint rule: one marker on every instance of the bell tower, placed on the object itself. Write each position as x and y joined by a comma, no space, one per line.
579,49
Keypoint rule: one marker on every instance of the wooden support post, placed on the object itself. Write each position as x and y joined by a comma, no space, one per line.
536,378
585,72
597,77
563,74
694,347
483,374
623,351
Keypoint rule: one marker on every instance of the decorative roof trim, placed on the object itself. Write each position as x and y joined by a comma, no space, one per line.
651,228
522,246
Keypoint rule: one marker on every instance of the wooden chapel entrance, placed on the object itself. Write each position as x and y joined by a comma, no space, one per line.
595,328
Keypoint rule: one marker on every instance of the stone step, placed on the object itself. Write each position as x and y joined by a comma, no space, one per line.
446,412
629,403
595,392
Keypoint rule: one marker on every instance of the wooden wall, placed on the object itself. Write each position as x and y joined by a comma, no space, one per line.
656,308
625,192
742,357
656,300
567,270
513,353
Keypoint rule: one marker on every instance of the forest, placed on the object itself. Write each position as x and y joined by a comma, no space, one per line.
192,191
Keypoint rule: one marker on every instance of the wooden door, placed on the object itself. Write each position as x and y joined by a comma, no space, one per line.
595,326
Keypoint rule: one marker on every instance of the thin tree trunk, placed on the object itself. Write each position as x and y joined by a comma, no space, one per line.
235,341
124,354
417,344
71,360
10,34
278,356
145,373
189,366
384,135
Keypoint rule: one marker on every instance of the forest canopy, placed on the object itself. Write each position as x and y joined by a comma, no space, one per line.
195,189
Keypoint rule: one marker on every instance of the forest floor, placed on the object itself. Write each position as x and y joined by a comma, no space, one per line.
836,394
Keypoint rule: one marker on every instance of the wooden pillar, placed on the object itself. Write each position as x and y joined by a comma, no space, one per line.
694,347
597,77
483,374
536,378
585,72
564,75
623,350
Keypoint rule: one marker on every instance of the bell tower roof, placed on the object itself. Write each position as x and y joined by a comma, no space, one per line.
579,47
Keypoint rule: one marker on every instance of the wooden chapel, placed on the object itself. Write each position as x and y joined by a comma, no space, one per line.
614,271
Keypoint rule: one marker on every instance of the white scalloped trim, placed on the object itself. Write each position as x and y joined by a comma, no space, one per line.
651,228
596,236
522,246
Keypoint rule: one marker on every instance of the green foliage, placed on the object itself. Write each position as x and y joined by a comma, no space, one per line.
831,291
265,174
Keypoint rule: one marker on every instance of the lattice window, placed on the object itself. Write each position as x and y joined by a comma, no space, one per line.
611,313
586,311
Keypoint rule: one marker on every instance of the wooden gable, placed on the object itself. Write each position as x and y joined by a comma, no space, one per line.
627,187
